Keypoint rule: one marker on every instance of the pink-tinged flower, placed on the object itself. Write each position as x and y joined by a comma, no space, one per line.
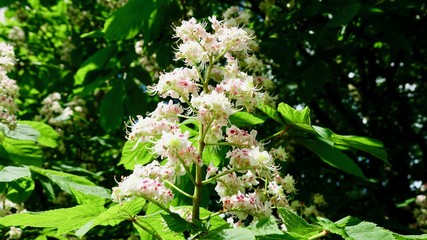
241,138
212,106
211,170
250,157
145,129
243,204
228,184
154,170
169,111
249,179
192,53
176,146
191,31
178,84
151,189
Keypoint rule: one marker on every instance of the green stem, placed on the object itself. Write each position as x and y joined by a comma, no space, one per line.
178,189
208,75
187,170
319,235
153,233
198,184
277,134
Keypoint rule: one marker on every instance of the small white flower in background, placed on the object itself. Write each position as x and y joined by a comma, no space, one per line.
7,57
14,233
9,90
16,34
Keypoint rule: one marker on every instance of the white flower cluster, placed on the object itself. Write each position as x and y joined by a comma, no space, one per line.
8,88
57,115
8,207
213,87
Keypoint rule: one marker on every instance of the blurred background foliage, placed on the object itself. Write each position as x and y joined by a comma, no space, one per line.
358,65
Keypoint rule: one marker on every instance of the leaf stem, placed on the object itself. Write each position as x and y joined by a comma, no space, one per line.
178,189
225,173
153,233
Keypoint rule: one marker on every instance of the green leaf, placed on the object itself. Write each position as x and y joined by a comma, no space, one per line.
114,215
298,118
231,234
19,190
215,155
271,112
332,227
97,61
297,225
132,156
283,236
332,156
10,173
410,237
126,22
265,226
176,223
111,110
25,152
47,135
368,230
21,132
83,190
369,145
64,219
344,16
241,119
155,224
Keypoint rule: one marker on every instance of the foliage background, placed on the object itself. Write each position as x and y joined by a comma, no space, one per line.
359,66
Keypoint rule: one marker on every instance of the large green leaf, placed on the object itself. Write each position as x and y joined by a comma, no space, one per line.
132,155
231,234
97,61
25,152
271,112
83,190
332,156
295,117
114,215
265,226
128,21
112,110
47,135
351,228
64,219
369,145
155,224
20,190
11,173
297,226
242,119
21,132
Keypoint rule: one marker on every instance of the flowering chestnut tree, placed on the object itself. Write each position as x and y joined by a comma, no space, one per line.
198,168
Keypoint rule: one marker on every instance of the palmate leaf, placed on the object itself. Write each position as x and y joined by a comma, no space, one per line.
350,228
296,226
25,152
127,22
242,119
332,156
83,190
47,136
11,173
97,61
132,155
64,219
369,145
114,215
